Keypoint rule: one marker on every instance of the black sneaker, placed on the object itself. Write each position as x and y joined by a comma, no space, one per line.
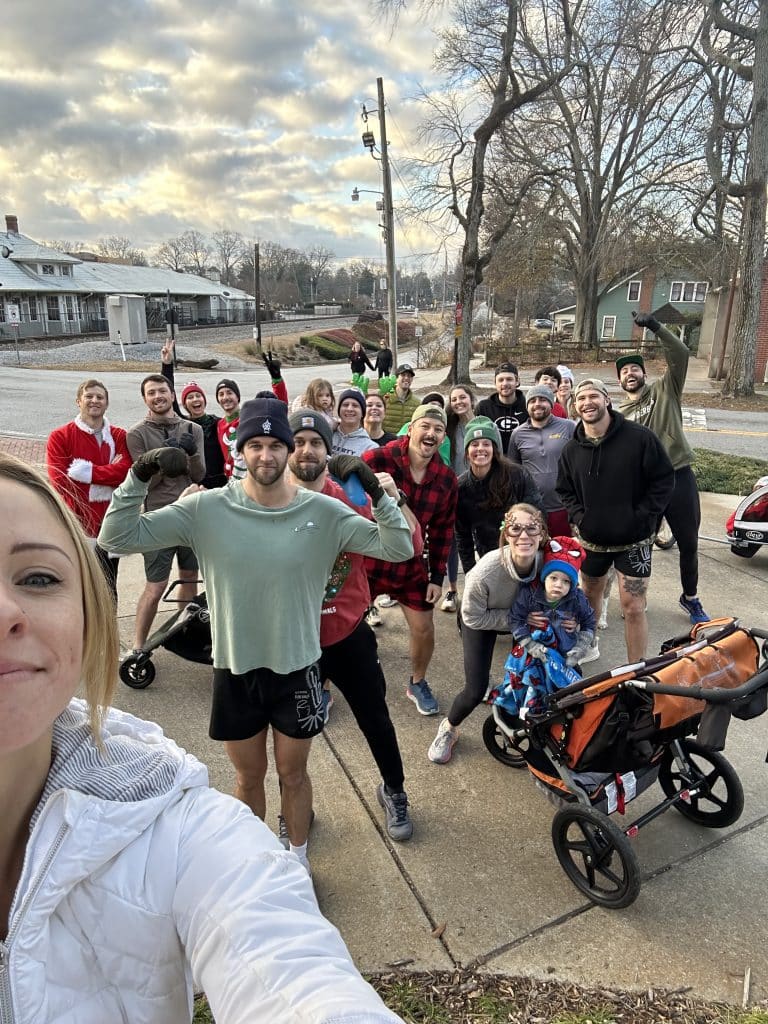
399,824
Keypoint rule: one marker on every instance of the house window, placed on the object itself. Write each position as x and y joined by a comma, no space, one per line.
32,304
609,327
66,270
71,305
48,269
633,291
688,291
2,310
52,307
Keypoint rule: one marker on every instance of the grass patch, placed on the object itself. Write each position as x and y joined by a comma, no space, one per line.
202,1013
598,1016
727,474
324,348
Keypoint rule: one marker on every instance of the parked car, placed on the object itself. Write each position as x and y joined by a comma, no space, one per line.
542,324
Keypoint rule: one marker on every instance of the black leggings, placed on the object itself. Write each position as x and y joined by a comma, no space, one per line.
683,513
478,647
353,667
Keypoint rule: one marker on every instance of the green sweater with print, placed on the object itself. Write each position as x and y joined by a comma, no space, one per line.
658,405
265,570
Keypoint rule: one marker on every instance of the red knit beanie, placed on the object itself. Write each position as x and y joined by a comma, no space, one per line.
190,389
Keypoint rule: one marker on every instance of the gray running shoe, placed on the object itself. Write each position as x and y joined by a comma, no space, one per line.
592,654
282,832
373,617
399,824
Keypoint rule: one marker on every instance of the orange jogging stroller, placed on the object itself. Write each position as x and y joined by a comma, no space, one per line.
599,743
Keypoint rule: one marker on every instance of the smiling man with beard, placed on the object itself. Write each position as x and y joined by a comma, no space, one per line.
615,480
429,487
266,549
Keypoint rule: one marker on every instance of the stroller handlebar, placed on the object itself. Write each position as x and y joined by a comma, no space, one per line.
711,695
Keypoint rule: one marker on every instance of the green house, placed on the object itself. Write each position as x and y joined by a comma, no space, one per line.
674,297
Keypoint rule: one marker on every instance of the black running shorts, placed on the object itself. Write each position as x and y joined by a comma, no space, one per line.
244,705
635,562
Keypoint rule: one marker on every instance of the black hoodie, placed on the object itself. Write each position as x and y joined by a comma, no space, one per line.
615,491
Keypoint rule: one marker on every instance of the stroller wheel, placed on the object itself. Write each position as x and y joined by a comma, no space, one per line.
500,746
597,856
137,672
721,797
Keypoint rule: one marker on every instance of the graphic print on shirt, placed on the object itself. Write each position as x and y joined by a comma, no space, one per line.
339,573
640,559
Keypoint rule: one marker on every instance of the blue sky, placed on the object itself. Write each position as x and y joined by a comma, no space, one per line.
148,117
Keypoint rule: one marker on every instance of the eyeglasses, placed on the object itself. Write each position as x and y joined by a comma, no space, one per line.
532,530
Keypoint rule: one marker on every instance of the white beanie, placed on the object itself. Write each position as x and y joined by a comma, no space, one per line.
563,370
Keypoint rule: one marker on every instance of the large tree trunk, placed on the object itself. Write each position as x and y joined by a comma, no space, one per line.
740,379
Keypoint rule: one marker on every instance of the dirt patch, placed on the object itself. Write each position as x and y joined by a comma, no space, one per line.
714,400
463,997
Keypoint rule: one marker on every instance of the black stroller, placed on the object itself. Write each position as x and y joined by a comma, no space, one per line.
597,744
187,633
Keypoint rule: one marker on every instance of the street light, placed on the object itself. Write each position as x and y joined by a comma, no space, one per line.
369,141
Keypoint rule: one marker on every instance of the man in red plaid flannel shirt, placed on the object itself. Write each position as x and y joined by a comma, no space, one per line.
429,487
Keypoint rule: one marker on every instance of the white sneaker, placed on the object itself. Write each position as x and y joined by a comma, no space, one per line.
442,745
373,618
450,602
602,622
592,654
385,601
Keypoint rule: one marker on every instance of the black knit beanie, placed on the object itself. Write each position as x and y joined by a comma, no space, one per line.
225,382
264,417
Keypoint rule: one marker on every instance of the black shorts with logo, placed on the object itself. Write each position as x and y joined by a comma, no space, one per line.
244,705
634,562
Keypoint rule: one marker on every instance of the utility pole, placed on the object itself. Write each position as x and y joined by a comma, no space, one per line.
257,298
389,227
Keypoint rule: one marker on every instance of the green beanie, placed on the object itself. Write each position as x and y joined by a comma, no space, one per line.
482,428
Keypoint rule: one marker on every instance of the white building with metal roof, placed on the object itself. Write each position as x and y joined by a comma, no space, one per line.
47,292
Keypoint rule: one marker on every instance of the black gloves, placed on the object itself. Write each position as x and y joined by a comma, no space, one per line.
186,443
272,364
342,466
170,461
646,320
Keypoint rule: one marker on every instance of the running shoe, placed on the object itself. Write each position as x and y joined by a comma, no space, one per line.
282,830
692,605
399,824
450,602
421,695
592,654
327,698
372,617
442,745
385,601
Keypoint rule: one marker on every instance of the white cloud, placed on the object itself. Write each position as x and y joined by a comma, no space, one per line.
147,117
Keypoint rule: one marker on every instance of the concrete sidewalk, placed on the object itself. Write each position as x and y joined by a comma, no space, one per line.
479,883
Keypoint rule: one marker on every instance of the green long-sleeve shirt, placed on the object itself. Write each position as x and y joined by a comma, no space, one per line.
265,569
658,405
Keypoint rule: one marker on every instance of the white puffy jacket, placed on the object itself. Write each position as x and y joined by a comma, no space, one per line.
140,882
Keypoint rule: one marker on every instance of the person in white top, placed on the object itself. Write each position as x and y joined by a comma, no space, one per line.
126,883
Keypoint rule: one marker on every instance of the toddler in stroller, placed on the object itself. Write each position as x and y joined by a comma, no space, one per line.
598,743
546,658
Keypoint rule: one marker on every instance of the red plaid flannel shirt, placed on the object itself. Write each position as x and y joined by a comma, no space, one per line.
433,502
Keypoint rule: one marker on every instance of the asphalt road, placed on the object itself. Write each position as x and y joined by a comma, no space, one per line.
35,401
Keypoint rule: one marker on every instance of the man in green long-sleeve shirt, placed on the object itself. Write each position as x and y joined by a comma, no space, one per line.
266,549
658,407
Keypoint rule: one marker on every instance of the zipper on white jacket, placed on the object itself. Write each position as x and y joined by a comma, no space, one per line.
6,1006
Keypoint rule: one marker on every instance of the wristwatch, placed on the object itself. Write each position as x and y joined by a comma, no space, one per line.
402,499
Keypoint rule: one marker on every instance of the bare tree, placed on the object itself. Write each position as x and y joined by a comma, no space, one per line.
197,251
172,253
743,52
121,248
230,249
614,135
318,258
488,88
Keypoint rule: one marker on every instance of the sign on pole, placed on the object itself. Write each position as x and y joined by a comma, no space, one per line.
12,313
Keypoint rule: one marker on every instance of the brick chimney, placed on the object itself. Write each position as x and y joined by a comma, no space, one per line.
11,223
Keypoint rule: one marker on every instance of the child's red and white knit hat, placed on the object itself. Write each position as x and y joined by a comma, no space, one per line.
563,554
